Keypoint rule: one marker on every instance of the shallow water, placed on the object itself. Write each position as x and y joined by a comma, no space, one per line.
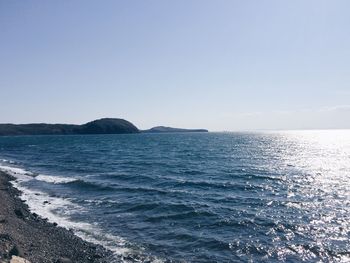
206,197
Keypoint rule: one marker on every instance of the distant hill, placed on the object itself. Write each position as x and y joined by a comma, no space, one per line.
107,126
101,126
163,129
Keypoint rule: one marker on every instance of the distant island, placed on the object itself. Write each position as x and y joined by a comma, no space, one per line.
101,126
162,129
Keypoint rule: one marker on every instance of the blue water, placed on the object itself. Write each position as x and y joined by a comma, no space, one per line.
206,197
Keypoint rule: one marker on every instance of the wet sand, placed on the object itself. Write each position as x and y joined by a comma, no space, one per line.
29,236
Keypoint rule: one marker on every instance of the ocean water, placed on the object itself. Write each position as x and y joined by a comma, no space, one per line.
200,197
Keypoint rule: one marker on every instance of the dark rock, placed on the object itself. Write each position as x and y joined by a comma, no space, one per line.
97,256
15,251
5,237
64,260
19,213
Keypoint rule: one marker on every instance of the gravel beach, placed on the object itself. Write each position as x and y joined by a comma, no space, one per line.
26,235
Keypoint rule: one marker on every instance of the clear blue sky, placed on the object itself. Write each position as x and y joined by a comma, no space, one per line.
222,65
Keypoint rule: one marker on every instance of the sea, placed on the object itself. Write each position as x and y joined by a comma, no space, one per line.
271,196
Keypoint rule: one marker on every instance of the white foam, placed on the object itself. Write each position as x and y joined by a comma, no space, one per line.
13,170
55,179
19,173
24,175
6,161
58,210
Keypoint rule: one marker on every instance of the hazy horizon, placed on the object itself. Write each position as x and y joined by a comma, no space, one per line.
219,65
191,127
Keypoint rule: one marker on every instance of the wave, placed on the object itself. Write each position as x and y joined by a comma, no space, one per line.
24,175
89,185
59,210
19,173
180,216
7,161
55,179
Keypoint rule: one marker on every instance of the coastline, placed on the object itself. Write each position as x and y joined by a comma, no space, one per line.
33,238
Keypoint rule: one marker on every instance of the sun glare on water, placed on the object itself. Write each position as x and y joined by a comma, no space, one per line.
319,187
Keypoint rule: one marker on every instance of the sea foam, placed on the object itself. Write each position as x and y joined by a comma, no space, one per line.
55,179
58,210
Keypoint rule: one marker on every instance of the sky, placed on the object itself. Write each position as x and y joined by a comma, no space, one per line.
224,65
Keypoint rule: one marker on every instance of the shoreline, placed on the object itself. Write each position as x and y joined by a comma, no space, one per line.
27,235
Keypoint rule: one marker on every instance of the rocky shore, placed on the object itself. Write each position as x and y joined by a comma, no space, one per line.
24,235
